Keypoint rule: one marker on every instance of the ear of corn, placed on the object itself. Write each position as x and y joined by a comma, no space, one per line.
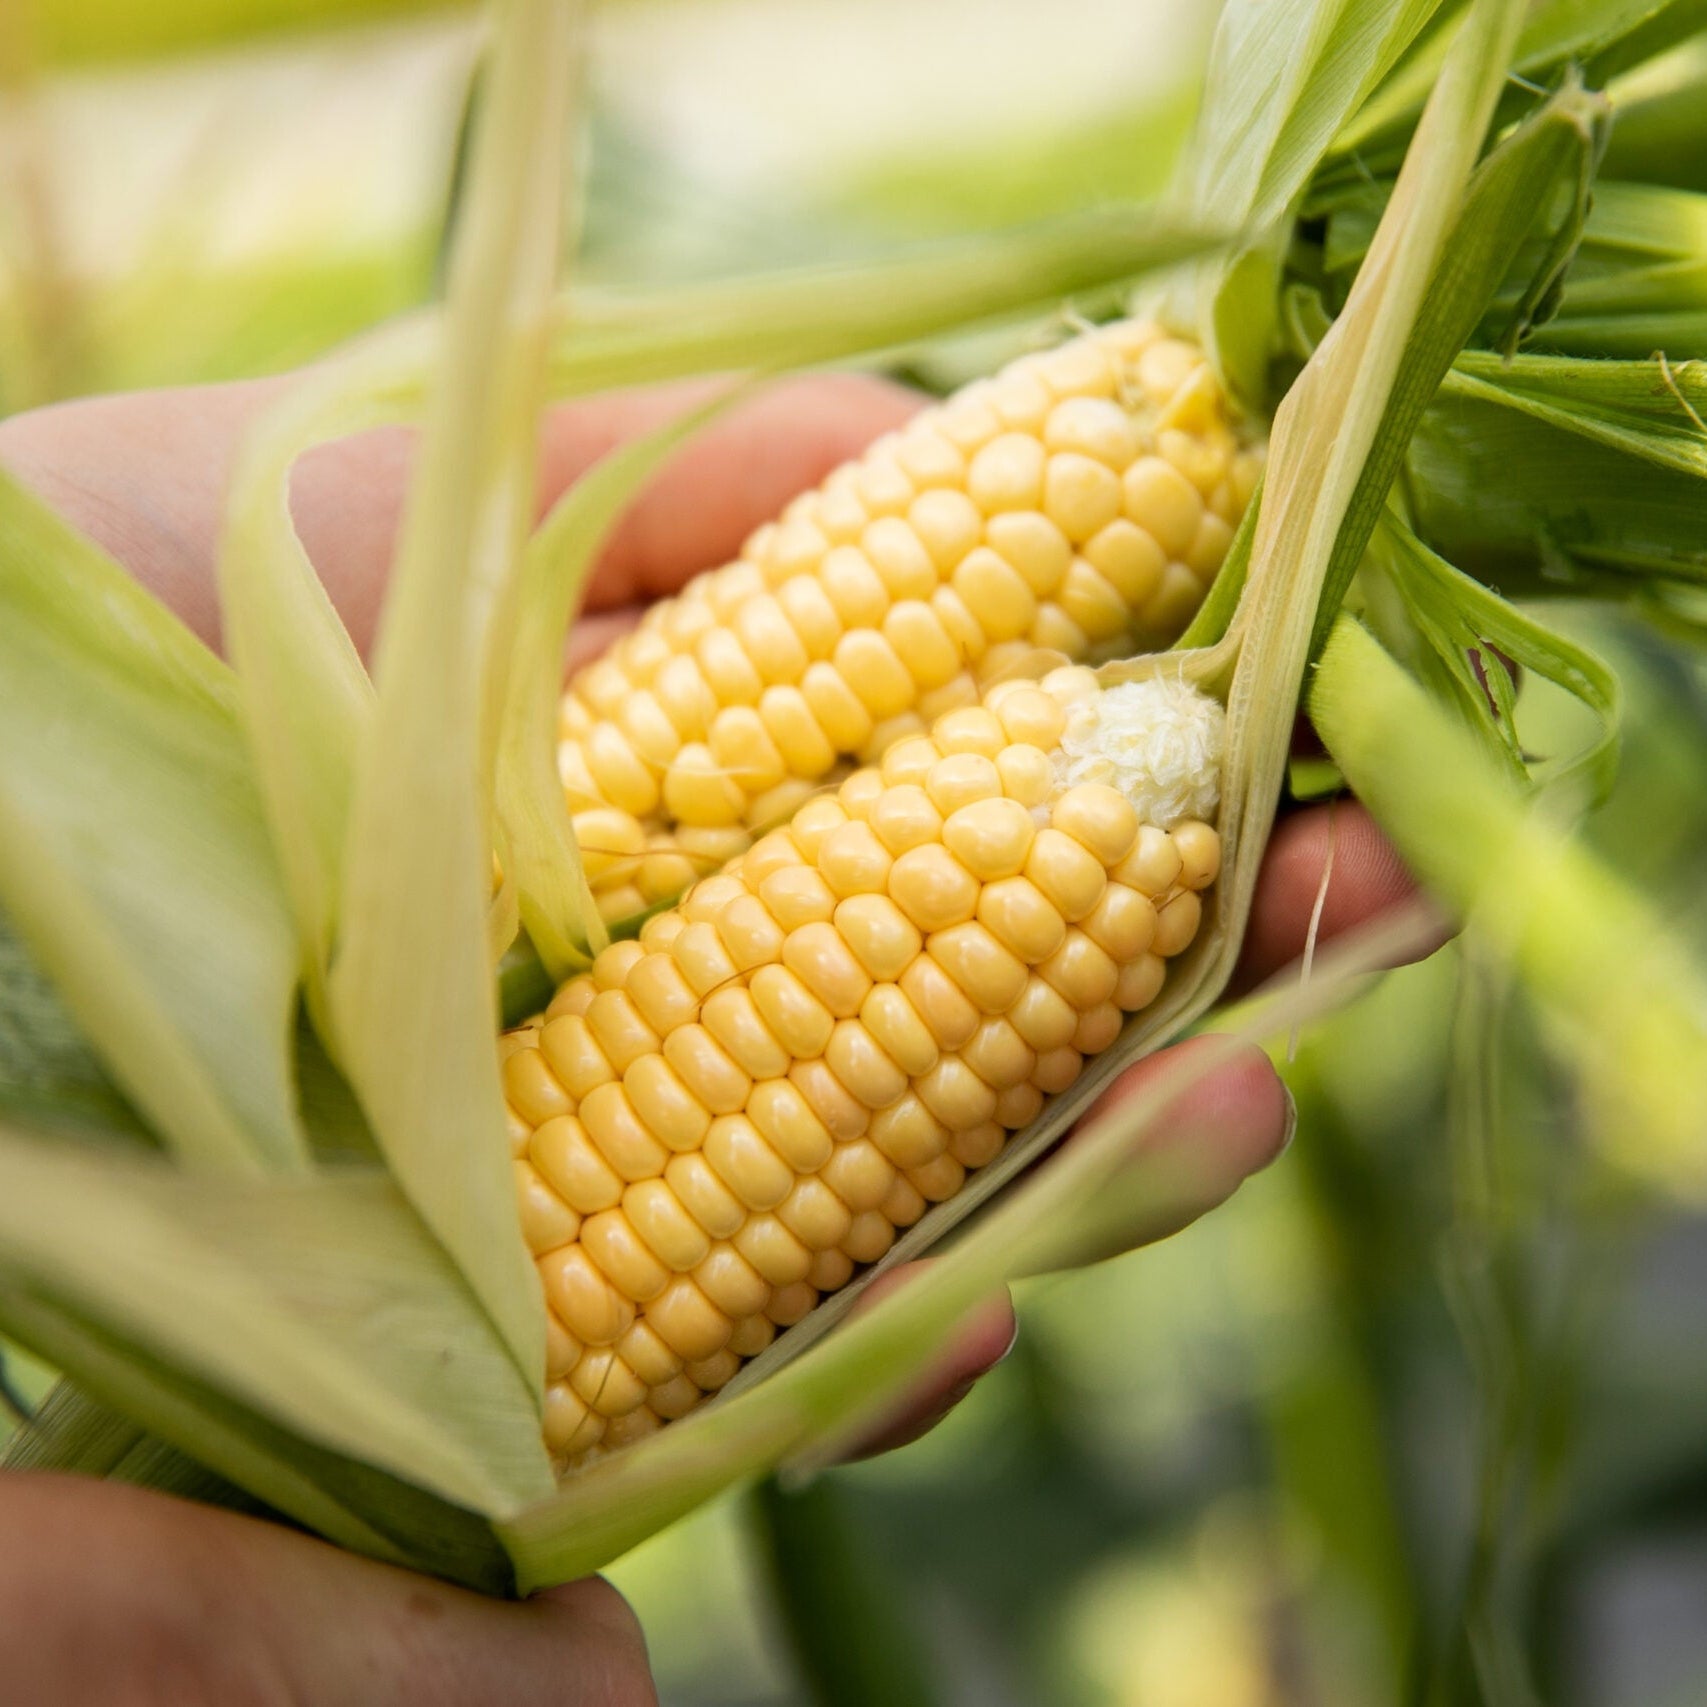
732,1115
1078,502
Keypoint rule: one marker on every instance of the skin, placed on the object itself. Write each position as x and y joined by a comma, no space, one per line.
129,1620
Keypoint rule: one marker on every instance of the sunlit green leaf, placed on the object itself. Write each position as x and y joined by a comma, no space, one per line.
834,313
1625,1000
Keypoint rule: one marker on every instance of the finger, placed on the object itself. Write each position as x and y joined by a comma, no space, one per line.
1366,875
978,1345
737,472
393,1637
184,1602
1210,1137
146,475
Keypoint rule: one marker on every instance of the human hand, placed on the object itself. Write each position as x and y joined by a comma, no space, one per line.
146,474
111,1596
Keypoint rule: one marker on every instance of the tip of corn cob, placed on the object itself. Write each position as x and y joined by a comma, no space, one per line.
1158,742
1079,502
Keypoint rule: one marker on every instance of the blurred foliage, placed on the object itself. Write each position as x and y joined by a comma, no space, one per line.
73,32
1421,1417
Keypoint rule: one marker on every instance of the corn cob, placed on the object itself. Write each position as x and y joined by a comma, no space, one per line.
1078,502
730,1116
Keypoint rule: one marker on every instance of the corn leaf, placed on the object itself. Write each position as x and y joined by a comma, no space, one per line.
1623,999
306,699
1601,37
1556,143
1499,488
175,958
320,1306
1284,77
536,838
1661,121
411,995
1505,193
72,1432
1647,410
49,1076
829,314
1469,632
343,1499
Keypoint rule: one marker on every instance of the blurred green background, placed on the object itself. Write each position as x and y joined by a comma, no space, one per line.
1422,1416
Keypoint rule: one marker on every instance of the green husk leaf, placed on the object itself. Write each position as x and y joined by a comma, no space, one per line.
1504,194
176,959
1650,410
1284,77
536,839
49,1076
1499,489
411,995
1467,628
1600,37
71,1432
319,1304
1623,999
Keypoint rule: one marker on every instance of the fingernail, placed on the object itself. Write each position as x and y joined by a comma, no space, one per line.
1008,1349
1291,1129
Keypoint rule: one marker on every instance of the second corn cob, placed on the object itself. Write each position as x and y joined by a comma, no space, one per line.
730,1116
1080,502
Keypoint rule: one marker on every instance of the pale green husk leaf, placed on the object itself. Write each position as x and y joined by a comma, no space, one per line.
536,838
319,1304
411,998
1284,77
132,855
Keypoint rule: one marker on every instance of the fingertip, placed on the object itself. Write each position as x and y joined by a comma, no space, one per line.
1233,1121
607,1643
985,1336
